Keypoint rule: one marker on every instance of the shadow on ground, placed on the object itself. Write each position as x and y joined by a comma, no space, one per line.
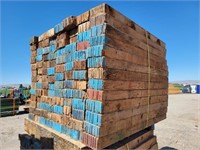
168,148
29,142
22,112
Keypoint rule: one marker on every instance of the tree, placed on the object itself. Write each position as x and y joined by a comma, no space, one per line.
20,86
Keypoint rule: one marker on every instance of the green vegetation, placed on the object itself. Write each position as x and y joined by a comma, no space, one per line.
5,91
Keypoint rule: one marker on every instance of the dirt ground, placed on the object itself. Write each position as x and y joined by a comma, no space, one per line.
181,128
10,127
179,131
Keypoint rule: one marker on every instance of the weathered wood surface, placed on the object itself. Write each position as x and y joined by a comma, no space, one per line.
60,140
126,104
46,35
123,65
137,141
82,18
125,75
131,85
119,55
116,116
116,95
111,127
149,144
127,132
106,9
69,23
105,141
131,30
84,27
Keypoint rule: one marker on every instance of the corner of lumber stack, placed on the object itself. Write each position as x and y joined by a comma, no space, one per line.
98,78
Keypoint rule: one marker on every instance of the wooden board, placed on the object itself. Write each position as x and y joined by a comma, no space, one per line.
131,30
40,131
111,127
148,144
113,33
137,141
115,71
115,64
133,140
105,141
106,9
83,17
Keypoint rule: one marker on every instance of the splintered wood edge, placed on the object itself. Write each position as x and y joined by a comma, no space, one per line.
61,135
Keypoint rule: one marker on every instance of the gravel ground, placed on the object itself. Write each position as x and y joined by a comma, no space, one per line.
181,128
179,131
10,127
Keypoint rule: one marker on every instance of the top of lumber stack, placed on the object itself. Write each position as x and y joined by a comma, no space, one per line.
72,21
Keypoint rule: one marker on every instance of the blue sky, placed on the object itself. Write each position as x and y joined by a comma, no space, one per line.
176,23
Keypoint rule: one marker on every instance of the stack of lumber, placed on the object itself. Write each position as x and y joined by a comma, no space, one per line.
98,78
9,106
45,138
173,89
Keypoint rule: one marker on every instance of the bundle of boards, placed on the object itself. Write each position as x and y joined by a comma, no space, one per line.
9,106
98,78
50,139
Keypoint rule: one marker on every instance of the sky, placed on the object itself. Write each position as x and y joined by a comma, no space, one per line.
175,23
